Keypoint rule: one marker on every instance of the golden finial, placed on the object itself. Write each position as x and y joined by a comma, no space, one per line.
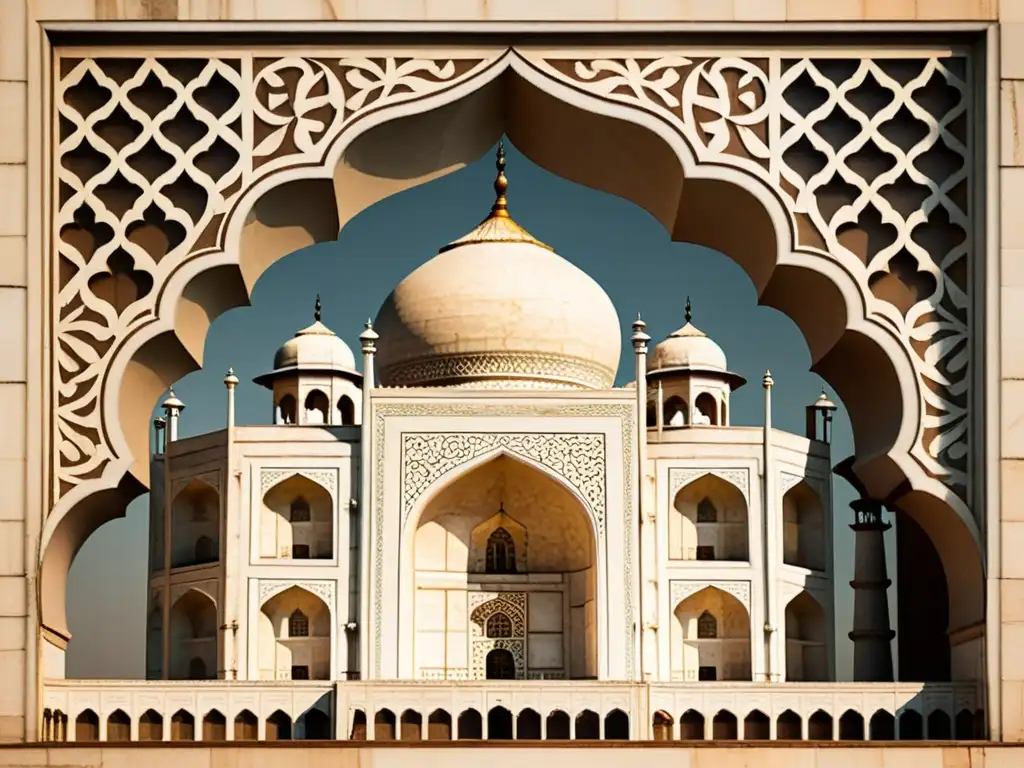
688,312
500,207
317,307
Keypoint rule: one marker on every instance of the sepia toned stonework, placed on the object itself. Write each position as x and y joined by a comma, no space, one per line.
145,188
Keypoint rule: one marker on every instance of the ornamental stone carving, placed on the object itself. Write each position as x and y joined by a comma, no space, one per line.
207,588
679,478
326,478
483,605
622,412
680,590
151,163
577,458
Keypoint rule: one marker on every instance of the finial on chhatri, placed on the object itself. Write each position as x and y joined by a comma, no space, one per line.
768,381
639,323
317,307
230,380
689,310
500,207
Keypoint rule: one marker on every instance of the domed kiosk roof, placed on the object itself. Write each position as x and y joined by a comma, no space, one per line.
690,350
315,349
497,308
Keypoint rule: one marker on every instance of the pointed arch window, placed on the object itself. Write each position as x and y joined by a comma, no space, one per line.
300,511
707,626
706,511
501,553
499,625
298,624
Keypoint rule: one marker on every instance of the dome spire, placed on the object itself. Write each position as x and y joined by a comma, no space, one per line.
689,311
316,309
500,208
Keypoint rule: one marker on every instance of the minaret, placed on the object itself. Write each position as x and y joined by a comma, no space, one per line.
172,408
229,543
648,619
368,340
769,544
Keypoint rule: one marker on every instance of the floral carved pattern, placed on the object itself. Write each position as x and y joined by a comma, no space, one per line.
151,158
680,590
578,458
872,160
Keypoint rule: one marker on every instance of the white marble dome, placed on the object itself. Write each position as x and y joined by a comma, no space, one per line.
497,308
313,349
689,349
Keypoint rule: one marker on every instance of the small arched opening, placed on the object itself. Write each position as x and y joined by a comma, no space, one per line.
87,726
195,525
676,412
724,726
346,411
882,726
358,730
384,725
691,726
470,725
911,725
528,725
193,637
616,726
588,725
708,521
183,726
439,725
710,638
851,726
939,726
247,726
806,632
297,521
411,724
499,723
756,726
707,407
819,726
119,726
316,408
294,637
151,726
558,726
789,726
314,725
803,528
279,726
215,726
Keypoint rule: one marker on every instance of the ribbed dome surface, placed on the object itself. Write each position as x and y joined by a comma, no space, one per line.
688,348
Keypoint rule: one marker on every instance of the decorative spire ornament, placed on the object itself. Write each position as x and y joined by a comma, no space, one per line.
689,311
317,307
500,208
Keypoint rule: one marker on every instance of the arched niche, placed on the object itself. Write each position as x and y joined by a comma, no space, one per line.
710,638
297,521
195,525
807,640
556,564
498,545
676,412
706,410
294,637
565,117
316,408
709,521
193,637
803,528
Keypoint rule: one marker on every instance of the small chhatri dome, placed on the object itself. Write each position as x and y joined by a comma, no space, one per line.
313,349
688,348
498,308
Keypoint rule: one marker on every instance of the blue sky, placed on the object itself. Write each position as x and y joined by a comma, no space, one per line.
621,246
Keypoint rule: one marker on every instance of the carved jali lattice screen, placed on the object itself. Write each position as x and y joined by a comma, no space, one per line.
154,155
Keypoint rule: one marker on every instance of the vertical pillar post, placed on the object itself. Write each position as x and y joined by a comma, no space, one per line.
228,545
871,635
648,599
769,544
172,409
368,340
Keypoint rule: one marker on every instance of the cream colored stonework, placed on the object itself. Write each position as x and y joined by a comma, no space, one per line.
25,229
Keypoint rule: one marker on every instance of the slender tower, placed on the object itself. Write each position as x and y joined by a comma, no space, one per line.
648,565
368,340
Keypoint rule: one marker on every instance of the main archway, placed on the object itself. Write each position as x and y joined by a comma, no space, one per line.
502,557
875,284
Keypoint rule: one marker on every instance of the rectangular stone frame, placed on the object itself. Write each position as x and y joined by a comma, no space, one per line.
25,295
383,633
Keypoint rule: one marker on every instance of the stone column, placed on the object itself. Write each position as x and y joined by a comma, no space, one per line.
770,548
648,619
229,545
871,635
368,339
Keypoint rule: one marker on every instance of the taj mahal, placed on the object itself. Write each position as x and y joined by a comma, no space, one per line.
503,514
